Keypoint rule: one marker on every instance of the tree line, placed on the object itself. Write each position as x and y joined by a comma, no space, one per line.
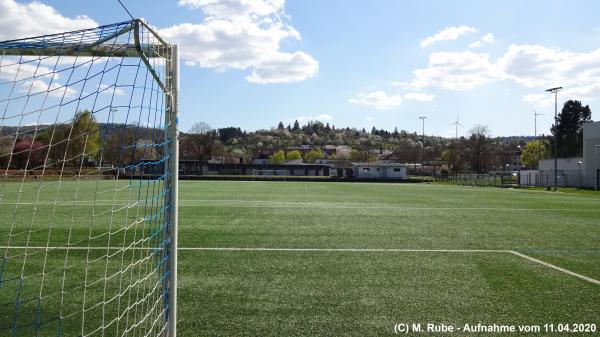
84,141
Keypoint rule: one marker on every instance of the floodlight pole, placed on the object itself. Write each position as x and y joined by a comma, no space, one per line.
172,119
555,92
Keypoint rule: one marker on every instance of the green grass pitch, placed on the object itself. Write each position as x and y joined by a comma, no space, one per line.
346,259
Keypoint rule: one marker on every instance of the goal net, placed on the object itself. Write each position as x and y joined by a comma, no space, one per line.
88,172
269,174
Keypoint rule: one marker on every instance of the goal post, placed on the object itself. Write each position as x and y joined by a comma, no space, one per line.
270,174
88,183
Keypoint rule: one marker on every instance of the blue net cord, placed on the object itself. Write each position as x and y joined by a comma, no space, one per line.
84,180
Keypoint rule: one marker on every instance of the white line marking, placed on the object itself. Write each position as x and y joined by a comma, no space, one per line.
358,250
288,204
549,265
346,250
275,249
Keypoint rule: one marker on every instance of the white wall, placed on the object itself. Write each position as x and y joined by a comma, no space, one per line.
529,177
563,164
373,171
591,138
396,172
363,171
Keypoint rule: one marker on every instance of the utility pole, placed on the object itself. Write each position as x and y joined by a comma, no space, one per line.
555,92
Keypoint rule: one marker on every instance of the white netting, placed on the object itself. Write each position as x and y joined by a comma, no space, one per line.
270,174
85,183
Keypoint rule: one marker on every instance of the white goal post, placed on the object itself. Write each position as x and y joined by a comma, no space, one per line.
88,183
271,174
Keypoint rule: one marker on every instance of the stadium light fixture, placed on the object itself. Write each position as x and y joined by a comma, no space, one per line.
555,91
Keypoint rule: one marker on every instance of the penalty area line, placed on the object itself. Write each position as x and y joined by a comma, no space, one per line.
550,265
356,250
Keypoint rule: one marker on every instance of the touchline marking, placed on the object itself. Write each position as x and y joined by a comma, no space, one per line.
267,249
356,250
288,204
550,265
345,250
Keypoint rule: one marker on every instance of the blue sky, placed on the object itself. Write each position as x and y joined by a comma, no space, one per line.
382,63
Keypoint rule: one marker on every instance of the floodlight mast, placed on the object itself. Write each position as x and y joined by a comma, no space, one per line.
555,91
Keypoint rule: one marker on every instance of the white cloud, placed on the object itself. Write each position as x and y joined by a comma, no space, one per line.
581,93
54,90
242,35
228,8
111,90
450,33
536,66
284,67
486,39
419,97
400,84
377,99
320,118
19,20
538,99
13,70
456,71
370,119
531,66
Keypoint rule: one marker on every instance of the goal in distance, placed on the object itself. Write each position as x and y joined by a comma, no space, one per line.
269,174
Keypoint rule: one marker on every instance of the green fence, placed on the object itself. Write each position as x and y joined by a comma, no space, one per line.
496,179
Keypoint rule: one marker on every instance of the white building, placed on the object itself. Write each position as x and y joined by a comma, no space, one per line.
591,154
379,170
515,163
571,171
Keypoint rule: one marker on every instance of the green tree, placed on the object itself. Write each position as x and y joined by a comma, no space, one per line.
292,155
533,152
6,147
312,155
200,141
362,156
43,137
277,157
478,148
84,140
296,126
569,127
145,149
452,157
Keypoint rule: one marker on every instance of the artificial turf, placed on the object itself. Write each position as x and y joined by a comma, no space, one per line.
329,293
